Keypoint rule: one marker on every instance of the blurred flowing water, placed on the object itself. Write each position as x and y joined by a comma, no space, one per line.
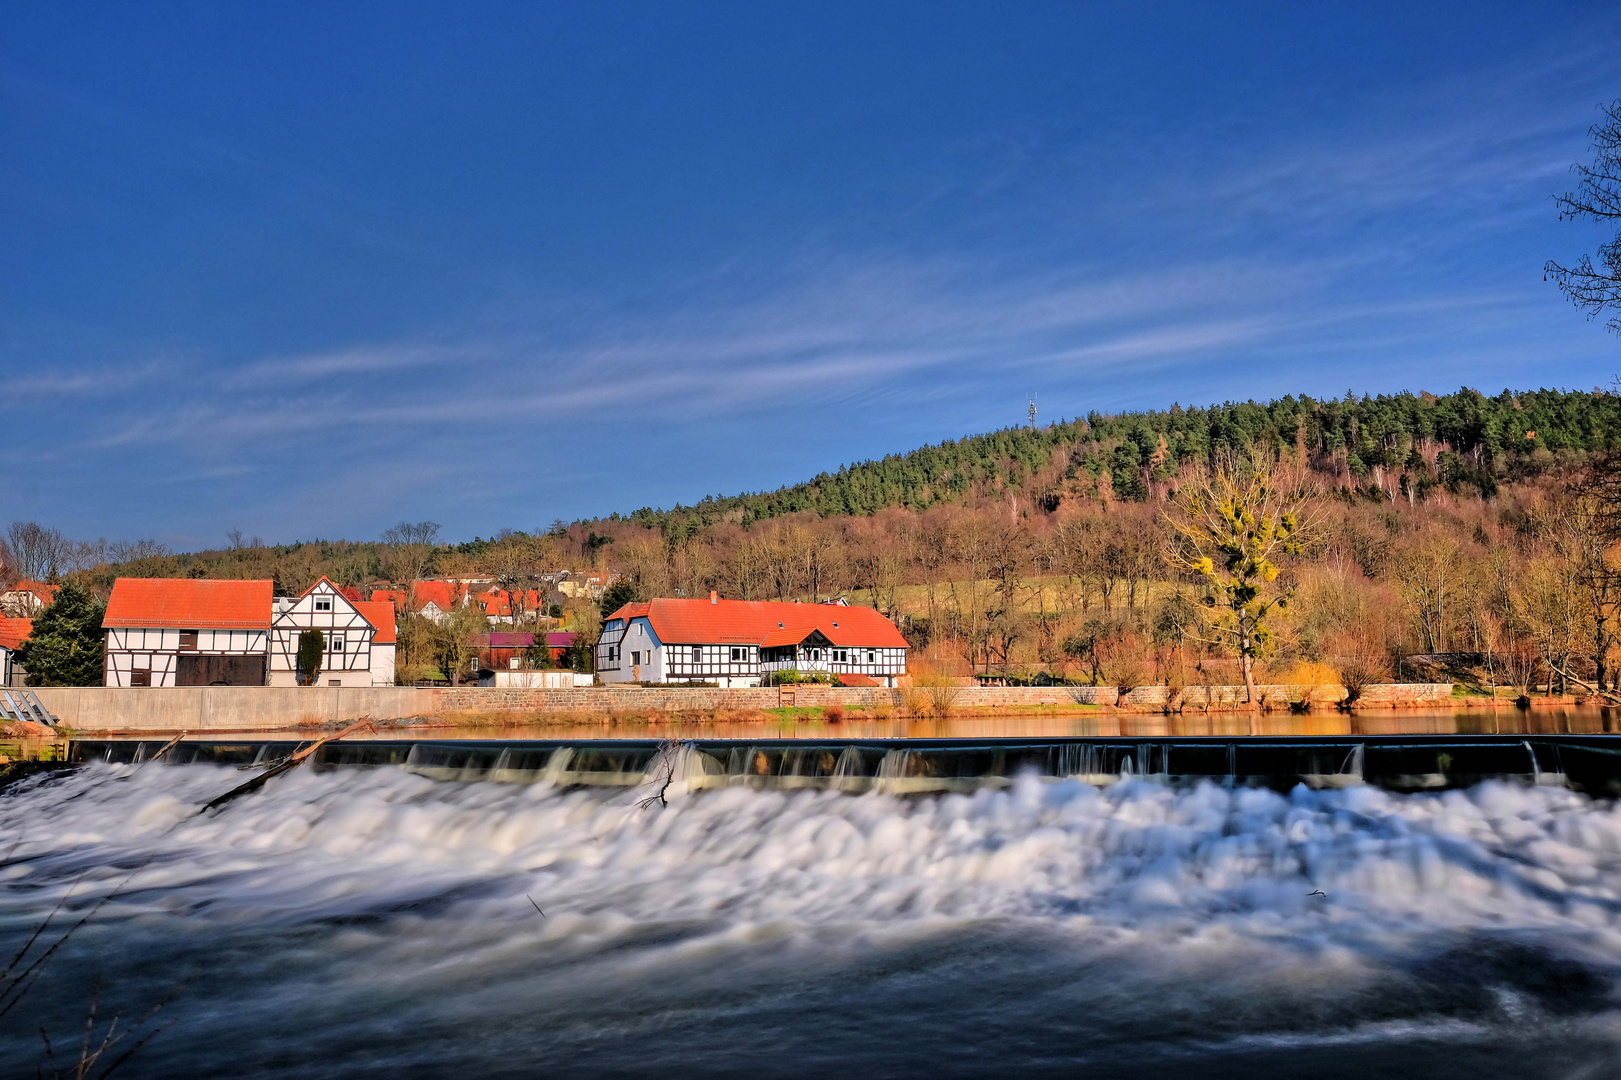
373,922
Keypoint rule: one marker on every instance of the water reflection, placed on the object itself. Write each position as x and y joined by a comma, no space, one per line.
1570,720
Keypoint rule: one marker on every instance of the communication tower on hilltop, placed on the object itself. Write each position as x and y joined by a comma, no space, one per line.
1032,411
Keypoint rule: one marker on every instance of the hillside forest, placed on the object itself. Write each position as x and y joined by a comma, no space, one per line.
1482,530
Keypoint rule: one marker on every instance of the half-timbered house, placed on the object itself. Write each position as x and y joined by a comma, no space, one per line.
187,632
742,642
358,635
26,599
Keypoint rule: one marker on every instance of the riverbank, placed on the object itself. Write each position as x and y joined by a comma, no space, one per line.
158,710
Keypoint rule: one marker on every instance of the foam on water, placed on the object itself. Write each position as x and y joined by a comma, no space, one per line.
362,922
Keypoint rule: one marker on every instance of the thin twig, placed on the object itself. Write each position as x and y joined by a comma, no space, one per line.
667,749
44,957
38,930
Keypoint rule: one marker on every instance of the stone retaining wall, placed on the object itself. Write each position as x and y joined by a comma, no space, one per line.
1393,694
264,708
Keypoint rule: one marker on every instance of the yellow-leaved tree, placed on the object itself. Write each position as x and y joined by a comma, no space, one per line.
1229,526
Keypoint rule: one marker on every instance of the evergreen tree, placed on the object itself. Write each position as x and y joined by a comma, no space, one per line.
311,650
617,595
65,645
579,656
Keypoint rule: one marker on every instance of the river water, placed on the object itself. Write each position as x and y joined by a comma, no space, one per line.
376,923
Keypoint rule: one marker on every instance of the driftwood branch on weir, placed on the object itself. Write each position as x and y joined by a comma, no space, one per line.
293,761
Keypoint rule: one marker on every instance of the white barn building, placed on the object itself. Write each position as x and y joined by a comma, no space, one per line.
742,642
187,632
358,634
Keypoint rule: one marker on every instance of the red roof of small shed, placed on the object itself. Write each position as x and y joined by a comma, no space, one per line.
191,603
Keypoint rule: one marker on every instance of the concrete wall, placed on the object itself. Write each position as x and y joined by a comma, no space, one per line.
262,708
226,708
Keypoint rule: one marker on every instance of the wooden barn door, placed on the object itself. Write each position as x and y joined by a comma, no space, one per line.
194,670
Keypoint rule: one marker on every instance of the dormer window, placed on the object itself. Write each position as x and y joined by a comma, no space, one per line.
323,603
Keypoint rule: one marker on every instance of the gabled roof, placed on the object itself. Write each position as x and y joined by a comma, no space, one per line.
792,635
13,632
633,610
380,613
191,603
751,622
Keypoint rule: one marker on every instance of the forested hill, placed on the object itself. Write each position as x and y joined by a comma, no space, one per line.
1420,439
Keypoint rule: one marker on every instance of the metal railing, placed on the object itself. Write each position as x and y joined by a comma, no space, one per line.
23,705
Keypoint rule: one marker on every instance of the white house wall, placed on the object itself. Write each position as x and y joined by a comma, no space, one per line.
638,657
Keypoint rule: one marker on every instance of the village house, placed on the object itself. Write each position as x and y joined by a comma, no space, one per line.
575,584
497,604
744,642
26,599
188,632
433,600
358,634
13,632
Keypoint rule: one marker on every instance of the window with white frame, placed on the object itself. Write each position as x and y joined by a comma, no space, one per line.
323,603
872,657
697,654
737,654
337,643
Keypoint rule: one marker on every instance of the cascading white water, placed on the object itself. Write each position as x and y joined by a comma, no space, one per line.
371,922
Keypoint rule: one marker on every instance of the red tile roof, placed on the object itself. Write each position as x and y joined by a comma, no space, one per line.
191,603
444,594
858,680
380,613
751,622
498,602
13,632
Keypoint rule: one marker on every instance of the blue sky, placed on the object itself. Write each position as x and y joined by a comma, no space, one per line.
306,272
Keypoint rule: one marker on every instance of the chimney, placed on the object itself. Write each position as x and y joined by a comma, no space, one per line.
714,597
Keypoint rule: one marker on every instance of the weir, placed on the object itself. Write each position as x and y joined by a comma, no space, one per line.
1404,763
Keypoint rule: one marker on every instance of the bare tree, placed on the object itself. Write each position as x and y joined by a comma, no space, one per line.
1596,198
38,552
410,547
